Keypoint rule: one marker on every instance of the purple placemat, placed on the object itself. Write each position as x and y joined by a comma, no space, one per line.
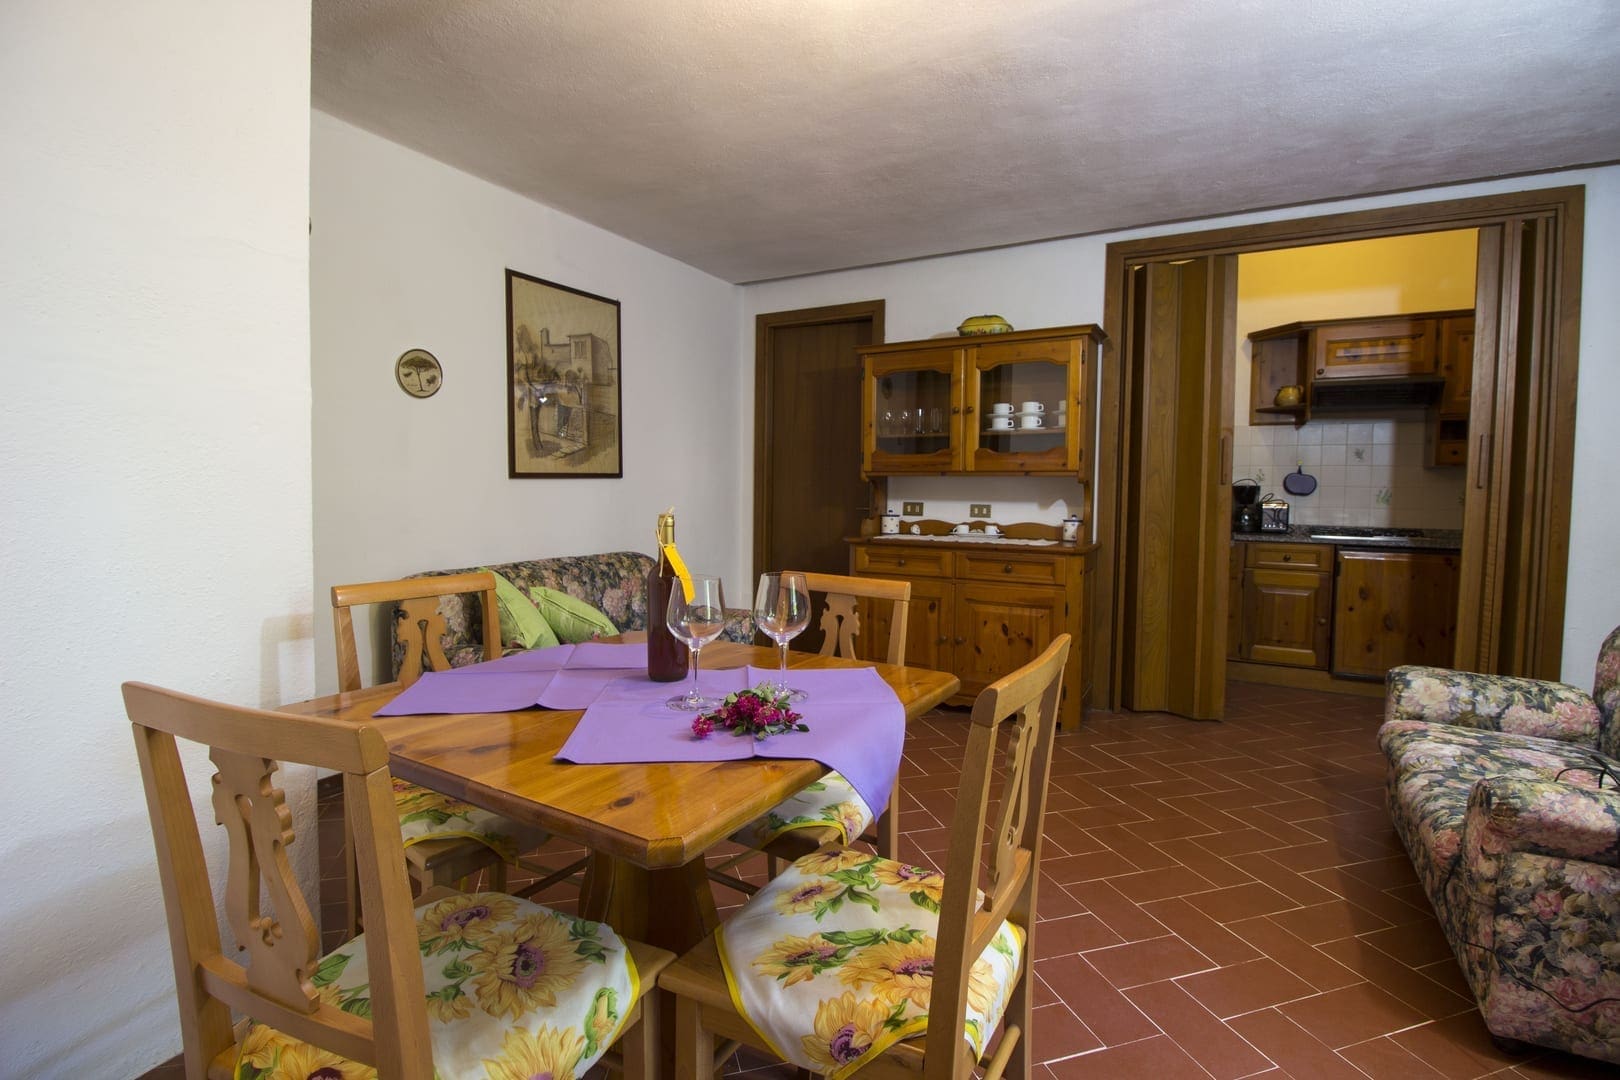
857,726
560,677
466,691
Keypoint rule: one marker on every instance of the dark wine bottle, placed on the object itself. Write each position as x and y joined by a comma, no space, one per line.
667,658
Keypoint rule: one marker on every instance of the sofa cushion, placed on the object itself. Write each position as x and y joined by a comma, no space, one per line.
572,618
1506,703
521,620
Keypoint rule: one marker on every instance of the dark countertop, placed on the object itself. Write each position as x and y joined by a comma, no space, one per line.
1389,539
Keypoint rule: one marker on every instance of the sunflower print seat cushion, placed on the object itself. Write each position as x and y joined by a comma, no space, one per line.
425,814
514,990
832,961
830,801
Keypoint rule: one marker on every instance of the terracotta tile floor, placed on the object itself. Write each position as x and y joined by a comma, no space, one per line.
1221,900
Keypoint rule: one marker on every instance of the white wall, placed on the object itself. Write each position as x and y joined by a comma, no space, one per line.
156,492
407,252
1061,282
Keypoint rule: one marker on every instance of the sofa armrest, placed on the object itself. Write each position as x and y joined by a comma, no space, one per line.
739,626
1546,710
1561,819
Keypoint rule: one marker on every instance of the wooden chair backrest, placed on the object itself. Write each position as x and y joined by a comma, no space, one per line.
418,626
1029,698
841,618
283,943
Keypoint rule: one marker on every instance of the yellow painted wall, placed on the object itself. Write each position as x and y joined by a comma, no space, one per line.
1390,276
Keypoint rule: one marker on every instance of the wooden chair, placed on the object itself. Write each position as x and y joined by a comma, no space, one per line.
705,1005
418,627
841,626
284,985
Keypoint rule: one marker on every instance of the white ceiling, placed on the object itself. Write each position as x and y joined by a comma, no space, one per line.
758,139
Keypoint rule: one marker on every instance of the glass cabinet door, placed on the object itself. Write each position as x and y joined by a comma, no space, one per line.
913,403
1022,398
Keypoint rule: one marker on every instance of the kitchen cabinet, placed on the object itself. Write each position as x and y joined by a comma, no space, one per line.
925,405
1373,348
1447,436
1392,608
981,610
1417,348
1287,604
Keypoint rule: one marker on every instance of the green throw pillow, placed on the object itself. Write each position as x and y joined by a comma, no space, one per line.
572,618
521,623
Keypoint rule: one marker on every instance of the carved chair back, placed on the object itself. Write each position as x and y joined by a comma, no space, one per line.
841,618
418,625
1025,703
281,942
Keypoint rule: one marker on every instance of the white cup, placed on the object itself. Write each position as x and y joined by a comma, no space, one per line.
992,530
1063,405
1000,423
1062,420
960,530
1031,407
1029,421
1001,408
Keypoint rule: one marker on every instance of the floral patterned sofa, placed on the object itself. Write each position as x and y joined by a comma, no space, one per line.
615,582
1506,793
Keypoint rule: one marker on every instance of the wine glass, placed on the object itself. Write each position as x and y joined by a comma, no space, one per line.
782,611
695,622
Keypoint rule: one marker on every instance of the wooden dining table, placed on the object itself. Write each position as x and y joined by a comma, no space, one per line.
647,826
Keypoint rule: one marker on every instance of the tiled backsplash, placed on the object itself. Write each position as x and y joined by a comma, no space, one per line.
1368,472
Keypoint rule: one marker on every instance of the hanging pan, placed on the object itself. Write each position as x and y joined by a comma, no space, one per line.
1299,482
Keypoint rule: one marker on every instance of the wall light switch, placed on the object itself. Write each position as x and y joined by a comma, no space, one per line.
978,510
911,509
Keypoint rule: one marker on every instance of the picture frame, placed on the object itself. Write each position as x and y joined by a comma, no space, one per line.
563,390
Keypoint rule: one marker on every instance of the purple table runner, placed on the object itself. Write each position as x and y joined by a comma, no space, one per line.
857,726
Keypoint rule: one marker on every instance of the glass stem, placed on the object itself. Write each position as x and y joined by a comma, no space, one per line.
694,695
782,667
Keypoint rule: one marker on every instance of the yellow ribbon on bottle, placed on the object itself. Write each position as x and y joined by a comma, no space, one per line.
680,569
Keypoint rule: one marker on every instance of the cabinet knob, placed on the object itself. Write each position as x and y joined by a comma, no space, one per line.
944,640
961,641
1321,620
1288,558
900,562
967,408
1007,569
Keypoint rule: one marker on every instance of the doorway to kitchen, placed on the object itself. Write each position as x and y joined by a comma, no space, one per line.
1160,619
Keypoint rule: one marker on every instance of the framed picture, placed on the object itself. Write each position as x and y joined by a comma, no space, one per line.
562,381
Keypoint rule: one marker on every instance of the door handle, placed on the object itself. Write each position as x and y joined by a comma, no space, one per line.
961,641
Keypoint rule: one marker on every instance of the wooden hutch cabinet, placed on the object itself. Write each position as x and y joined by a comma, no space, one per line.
982,610
926,405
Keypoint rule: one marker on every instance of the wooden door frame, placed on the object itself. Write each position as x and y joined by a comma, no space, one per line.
765,327
1563,206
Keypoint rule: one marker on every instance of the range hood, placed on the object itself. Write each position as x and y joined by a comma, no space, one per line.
1362,395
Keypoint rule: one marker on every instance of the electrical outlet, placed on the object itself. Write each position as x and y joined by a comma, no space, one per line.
978,510
911,509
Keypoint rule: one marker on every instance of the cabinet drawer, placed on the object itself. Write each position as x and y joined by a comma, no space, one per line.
1289,556
1023,569
901,561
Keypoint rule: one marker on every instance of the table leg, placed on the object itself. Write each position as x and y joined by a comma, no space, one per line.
672,908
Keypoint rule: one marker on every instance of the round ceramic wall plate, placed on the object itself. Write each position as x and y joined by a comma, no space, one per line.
419,373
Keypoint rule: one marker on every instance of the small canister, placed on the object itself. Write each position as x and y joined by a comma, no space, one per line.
889,523
1273,514
1071,529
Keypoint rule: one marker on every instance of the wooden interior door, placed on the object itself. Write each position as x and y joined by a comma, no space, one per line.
1521,416
1180,355
808,491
